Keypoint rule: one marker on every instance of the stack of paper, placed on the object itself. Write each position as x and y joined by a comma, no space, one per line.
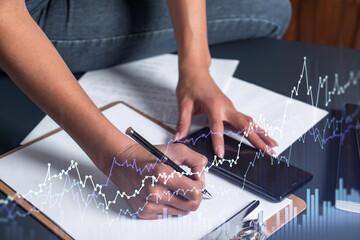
148,85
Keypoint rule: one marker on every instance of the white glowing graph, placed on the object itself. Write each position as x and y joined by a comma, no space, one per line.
85,190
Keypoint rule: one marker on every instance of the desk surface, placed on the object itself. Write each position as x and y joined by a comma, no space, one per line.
273,64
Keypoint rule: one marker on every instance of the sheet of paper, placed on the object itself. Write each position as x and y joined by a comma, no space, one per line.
148,85
84,216
285,119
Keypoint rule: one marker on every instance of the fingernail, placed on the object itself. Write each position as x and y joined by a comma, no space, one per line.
203,177
271,152
176,137
220,151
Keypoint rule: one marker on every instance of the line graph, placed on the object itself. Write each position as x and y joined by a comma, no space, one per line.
323,87
75,186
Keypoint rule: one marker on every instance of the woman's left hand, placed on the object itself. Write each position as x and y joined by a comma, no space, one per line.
198,93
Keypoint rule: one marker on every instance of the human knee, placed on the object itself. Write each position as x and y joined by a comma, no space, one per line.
276,12
230,20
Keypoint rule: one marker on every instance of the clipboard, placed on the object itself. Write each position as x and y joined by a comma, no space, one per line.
273,223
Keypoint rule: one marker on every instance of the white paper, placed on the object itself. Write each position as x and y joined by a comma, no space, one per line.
64,202
148,85
285,119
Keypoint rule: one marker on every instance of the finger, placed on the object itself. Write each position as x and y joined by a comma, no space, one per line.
243,122
170,198
149,216
182,155
217,129
184,122
266,138
182,185
152,207
153,211
181,182
258,143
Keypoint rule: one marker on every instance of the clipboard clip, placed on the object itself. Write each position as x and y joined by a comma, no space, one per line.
237,228
253,229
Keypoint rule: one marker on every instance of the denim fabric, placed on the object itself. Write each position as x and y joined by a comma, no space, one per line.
92,34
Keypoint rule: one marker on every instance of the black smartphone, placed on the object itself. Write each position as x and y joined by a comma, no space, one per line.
270,178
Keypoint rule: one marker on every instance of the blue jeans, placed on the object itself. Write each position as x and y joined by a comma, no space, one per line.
93,34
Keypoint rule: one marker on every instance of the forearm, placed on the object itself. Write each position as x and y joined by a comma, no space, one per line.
189,21
32,62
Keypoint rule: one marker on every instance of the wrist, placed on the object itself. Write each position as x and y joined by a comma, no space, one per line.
194,69
194,78
114,143
194,62
195,57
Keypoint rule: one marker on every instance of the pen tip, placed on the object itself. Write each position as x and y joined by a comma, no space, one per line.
129,130
207,194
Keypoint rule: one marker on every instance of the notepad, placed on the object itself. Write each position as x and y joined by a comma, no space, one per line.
84,217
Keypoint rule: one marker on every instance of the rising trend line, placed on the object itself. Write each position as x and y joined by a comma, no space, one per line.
75,185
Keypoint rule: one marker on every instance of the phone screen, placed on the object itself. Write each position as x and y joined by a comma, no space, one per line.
252,170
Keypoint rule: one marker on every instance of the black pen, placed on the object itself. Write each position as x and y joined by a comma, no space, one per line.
157,153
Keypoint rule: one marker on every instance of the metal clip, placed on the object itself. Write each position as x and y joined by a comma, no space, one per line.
254,231
249,229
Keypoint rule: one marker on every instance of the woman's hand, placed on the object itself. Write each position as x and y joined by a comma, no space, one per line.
197,93
196,90
160,186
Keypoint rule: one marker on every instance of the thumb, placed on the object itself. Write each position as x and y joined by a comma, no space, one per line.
184,122
182,155
196,162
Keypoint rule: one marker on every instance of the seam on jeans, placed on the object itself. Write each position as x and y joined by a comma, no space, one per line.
245,18
112,38
272,22
163,30
37,7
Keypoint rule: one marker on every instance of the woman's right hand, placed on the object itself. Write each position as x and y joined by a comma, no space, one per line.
33,63
159,185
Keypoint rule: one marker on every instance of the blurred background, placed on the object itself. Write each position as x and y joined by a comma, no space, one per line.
329,22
